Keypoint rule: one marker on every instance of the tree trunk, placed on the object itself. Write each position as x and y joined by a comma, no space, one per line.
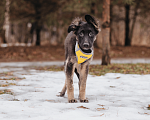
111,15
98,42
38,23
32,29
6,25
129,32
38,36
134,20
127,21
2,35
106,33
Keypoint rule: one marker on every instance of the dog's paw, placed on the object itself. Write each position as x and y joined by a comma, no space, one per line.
60,94
72,101
84,101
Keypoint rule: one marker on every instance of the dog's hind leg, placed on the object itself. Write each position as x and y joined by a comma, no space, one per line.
62,93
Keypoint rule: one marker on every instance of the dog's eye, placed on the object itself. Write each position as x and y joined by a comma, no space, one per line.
90,34
81,34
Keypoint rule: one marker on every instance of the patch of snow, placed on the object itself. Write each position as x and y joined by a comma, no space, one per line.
60,63
113,96
15,44
24,64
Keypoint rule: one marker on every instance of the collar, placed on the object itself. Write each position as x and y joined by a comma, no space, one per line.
80,55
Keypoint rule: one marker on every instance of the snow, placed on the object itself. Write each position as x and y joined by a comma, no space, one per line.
15,44
113,96
113,60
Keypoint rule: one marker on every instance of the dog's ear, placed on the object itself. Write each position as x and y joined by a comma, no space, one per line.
75,25
94,22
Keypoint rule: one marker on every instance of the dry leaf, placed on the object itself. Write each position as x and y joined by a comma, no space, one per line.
101,105
83,107
99,109
147,113
117,77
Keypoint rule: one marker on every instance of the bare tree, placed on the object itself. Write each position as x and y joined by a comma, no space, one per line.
6,25
106,33
35,11
2,12
129,32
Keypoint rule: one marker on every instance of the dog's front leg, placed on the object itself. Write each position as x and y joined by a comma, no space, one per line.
69,81
82,83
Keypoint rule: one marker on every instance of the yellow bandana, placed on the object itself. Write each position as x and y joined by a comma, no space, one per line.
81,56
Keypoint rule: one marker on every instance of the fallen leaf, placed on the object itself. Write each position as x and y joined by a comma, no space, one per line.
83,107
112,86
147,113
99,109
117,77
101,105
148,107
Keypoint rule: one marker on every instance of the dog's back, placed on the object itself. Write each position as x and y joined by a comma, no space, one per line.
70,42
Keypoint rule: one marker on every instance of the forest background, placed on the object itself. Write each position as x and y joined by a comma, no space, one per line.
45,23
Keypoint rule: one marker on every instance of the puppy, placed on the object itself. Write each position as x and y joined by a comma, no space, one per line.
78,55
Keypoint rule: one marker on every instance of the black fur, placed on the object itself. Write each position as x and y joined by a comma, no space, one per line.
85,33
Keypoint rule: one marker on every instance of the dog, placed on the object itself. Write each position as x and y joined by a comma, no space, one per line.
78,55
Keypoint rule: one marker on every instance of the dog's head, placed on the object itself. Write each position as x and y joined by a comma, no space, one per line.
85,31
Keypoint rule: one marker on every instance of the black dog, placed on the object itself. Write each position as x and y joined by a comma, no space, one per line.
79,53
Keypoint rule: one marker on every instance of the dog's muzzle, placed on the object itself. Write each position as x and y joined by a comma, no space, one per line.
86,45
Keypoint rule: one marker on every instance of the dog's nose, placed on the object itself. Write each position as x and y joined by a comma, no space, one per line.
86,45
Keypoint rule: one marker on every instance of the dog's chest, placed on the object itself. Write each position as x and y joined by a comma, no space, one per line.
79,66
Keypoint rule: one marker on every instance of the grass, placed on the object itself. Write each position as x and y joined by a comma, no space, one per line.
6,74
99,70
120,68
50,68
6,91
13,78
9,76
6,85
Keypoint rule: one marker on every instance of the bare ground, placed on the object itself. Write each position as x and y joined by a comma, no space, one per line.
56,53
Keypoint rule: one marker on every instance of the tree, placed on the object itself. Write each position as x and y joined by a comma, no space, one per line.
106,33
7,22
127,22
2,20
36,11
129,32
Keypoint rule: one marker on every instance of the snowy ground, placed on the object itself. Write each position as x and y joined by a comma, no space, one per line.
113,60
111,97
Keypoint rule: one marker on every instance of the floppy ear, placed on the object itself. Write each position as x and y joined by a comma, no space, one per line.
94,22
75,25
72,28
